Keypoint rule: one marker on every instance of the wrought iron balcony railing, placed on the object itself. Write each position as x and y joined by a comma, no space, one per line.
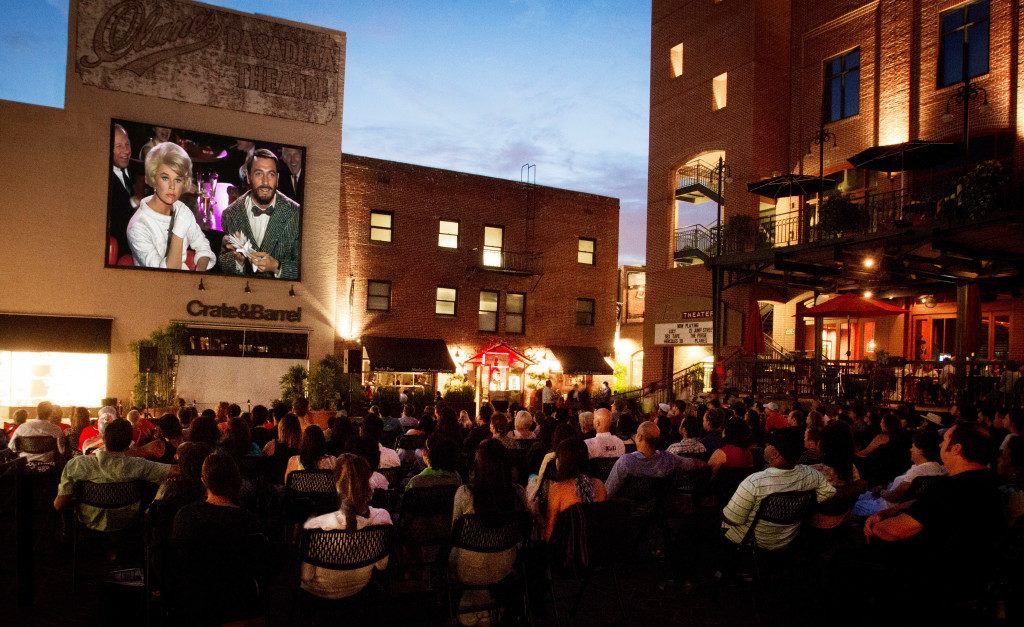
491,259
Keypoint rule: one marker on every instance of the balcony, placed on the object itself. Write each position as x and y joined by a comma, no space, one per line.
695,244
506,262
697,183
949,202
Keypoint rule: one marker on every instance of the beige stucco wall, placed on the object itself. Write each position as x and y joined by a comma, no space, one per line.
55,165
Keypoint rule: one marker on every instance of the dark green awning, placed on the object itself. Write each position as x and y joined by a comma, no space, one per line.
581,360
404,354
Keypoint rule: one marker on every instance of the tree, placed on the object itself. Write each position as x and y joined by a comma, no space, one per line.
158,387
293,384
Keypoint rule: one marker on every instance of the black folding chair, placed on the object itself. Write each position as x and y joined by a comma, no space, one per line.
412,442
393,475
425,521
218,583
385,499
309,493
601,467
111,497
37,445
587,540
472,533
344,551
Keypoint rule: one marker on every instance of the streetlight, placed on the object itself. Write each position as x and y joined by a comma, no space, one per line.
820,139
964,95
720,172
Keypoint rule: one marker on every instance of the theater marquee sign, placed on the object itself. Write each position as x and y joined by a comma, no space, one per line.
696,330
200,54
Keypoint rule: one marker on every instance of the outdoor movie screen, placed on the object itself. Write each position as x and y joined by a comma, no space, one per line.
197,202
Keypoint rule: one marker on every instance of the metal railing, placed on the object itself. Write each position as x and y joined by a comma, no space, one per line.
697,174
697,237
669,388
940,201
918,382
508,261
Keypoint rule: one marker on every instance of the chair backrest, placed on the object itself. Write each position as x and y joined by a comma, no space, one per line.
601,467
108,495
525,443
922,484
726,480
384,499
311,481
35,444
393,475
473,534
645,489
388,438
782,508
591,534
337,549
432,501
411,442
426,518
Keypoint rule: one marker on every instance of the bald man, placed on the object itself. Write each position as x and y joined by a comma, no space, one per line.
604,443
647,461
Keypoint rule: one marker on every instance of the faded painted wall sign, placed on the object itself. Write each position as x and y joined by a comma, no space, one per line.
200,54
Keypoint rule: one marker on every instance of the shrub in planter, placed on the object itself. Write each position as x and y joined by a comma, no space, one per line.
839,216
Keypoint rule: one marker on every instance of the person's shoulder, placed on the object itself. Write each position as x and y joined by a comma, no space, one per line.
378,516
236,207
284,203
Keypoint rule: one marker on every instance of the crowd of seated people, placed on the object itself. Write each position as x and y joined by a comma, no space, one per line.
862,466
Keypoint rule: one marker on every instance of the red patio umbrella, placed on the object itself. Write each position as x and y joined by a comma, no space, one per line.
753,331
852,306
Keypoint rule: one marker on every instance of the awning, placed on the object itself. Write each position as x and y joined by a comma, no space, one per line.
500,354
404,354
56,334
581,360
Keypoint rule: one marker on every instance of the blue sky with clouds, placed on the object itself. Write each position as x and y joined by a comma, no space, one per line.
480,87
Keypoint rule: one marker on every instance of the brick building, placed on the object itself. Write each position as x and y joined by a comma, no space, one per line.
767,86
473,262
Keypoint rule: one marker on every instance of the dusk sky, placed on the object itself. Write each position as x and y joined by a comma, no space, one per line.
480,87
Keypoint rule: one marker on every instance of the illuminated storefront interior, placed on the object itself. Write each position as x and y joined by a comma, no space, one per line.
67,379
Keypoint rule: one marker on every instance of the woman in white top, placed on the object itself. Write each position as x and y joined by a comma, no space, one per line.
163,228
352,480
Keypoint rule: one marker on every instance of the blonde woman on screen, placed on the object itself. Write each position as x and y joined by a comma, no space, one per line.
163,228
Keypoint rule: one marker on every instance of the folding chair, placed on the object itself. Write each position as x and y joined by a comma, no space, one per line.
343,551
309,493
601,467
471,533
107,496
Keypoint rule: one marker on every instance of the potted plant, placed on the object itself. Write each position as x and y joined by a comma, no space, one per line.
839,216
293,384
157,388
982,189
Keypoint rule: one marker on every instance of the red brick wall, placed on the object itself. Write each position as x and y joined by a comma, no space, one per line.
774,52
419,197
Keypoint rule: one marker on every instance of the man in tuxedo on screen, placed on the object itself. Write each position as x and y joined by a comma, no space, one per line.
292,180
267,219
121,198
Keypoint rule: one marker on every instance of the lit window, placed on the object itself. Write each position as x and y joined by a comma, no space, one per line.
963,43
378,295
488,311
448,234
585,253
585,312
494,237
515,310
676,56
842,86
380,226
444,305
718,85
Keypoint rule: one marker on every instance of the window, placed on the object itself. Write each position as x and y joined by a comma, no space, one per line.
842,86
585,252
585,312
718,88
378,295
380,226
488,311
494,237
515,310
676,57
448,234
444,305
963,43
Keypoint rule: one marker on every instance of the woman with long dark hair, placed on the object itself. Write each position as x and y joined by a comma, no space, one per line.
352,480
574,485
735,453
837,453
313,453
493,495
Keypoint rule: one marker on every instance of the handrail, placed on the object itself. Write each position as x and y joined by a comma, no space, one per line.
697,174
659,390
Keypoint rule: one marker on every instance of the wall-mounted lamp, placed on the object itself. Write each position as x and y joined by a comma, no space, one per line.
247,288
869,262
201,286
291,290
868,294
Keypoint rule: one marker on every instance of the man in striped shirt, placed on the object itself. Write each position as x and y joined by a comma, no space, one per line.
782,475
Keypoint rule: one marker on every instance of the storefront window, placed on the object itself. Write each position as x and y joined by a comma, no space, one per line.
1001,337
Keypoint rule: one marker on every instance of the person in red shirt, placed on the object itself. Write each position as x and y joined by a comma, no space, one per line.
773,418
142,429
